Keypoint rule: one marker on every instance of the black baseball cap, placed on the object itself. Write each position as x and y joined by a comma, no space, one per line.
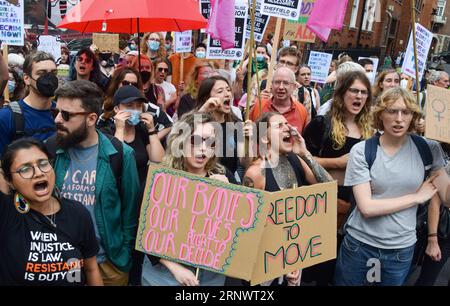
127,94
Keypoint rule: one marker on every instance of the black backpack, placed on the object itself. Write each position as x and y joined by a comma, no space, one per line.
19,123
115,160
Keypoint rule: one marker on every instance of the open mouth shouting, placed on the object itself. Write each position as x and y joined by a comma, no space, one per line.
41,188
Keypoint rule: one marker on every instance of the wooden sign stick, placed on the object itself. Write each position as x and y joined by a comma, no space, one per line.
181,67
5,58
273,57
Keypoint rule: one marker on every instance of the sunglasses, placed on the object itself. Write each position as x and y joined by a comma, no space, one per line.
125,83
67,115
166,70
84,59
197,141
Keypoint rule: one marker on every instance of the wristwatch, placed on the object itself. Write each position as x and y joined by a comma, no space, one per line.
152,132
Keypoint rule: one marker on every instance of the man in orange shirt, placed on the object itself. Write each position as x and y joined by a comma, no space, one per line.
189,62
283,85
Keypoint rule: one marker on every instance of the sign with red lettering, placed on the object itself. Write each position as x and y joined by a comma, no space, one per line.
201,222
296,30
234,230
300,231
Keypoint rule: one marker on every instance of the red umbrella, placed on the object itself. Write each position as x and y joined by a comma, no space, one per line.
133,16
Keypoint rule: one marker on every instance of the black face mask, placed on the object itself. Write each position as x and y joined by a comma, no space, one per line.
145,75
47,84
105,56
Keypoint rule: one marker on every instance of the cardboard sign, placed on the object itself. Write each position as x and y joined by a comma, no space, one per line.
423,42
201,222
261,23
183,41
300,231
320,66
51,45
106,42
285,9
12,23
235,230
214,50
437,119
296,29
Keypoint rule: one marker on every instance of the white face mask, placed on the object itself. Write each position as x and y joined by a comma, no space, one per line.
404,83
370,76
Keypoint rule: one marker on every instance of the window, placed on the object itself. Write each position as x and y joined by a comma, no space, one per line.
369,15
354,15
419,5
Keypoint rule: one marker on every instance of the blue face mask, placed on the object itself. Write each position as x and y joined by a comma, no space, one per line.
135,117
153,45
200,54
260,58
132,47
11,86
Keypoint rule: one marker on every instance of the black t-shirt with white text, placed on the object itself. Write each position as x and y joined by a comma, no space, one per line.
34,252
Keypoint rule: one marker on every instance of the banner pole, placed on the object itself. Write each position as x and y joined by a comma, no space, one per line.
416,61
181,67
273,57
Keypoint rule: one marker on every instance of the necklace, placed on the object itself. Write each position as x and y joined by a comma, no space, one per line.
52,218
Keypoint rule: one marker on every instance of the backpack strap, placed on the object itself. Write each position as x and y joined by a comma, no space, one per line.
425,153
19,123
50,144
370,149
116,161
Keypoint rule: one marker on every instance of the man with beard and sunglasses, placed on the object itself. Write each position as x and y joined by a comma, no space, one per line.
85,173
32,115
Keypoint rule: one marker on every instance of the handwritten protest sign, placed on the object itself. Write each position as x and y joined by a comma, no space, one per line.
300,231
106,42
423,42
183,41
201,222
437,119
234,230
261,23
214,50
51,45
320,65
286,9
296,29
12,23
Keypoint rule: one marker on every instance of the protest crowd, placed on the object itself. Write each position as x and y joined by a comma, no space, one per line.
76,150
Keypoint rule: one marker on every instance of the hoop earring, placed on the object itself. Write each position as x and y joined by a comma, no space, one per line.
21,203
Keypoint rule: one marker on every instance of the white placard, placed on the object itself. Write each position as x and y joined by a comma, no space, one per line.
12,23
286,9
51,45
375,62
319,63
183,41
261,23
423,41
214,50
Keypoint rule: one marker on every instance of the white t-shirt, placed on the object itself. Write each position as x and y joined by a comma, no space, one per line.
169,89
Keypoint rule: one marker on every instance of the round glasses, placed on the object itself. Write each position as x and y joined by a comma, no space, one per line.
28,171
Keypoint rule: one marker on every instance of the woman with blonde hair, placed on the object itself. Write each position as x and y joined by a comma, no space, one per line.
330,138
191,148
387,175
202,70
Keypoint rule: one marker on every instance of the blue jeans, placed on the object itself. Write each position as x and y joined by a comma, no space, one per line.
359,264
